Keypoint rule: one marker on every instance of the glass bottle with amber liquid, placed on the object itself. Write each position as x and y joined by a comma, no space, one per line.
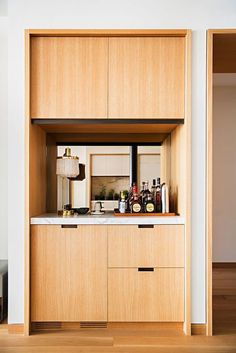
158,196
135,201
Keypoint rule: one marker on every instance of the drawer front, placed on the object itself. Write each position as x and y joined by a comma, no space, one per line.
160,246
156,295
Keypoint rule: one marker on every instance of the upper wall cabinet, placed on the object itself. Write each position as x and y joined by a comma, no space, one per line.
146,77
68,77
107,76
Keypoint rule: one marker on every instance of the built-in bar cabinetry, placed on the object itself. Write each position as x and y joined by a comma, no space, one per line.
107,273
119,87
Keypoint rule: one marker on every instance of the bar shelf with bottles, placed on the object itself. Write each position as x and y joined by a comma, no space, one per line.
154,202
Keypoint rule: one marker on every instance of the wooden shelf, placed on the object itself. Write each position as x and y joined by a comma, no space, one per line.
108,126
142,214
152,131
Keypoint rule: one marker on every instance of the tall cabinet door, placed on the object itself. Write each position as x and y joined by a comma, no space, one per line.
146,77
68,77
68,273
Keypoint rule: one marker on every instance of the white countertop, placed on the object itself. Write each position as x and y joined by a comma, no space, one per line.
107,218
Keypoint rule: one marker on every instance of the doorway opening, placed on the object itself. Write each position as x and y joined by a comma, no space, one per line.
221,182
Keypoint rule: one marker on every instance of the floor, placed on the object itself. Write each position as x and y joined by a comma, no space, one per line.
224,300
143,340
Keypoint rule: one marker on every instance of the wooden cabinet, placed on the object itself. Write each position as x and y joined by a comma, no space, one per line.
68,77
146,273
68,273
146,77
72,279
107,77
146,296
160,246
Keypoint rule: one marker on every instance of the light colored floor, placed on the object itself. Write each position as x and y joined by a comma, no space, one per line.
133,340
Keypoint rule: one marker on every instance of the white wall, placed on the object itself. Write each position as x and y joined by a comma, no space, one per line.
224,174
3,131
197,15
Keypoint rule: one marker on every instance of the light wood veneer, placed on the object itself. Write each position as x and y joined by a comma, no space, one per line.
69,77
68,273
161,246
146,77
146,296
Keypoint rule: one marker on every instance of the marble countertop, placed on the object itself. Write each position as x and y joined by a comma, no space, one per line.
106,218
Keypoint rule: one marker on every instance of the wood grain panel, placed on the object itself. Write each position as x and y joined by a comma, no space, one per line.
179,169
161,246
109,32
51,198
69,77
107,128
15,329
68,273
37,171
166,161
146,296
209,181
146,77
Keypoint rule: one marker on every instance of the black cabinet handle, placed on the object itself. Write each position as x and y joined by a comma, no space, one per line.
69,226
146,225
146,269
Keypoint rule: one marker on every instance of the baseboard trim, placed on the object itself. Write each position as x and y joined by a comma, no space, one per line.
198,329
16,329
224,264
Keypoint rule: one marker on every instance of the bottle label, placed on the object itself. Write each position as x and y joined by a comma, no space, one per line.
136,207
149,207
122,206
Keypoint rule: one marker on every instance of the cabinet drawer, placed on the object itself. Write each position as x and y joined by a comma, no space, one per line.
160,246
157,295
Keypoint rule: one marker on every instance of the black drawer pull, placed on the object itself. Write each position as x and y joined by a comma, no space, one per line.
146,269
146,225
69,226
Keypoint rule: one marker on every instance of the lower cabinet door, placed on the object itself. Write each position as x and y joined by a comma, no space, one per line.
140,295
68,273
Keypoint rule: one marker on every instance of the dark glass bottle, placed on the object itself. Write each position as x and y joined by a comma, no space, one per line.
142,188
146,192
127,201
158,196
153,190
136,204
149,205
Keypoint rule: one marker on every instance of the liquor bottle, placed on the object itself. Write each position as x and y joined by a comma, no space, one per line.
154,190
122,204
158,196
165,198
149,205
136,204
127,201
142,188
146,192
133,190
